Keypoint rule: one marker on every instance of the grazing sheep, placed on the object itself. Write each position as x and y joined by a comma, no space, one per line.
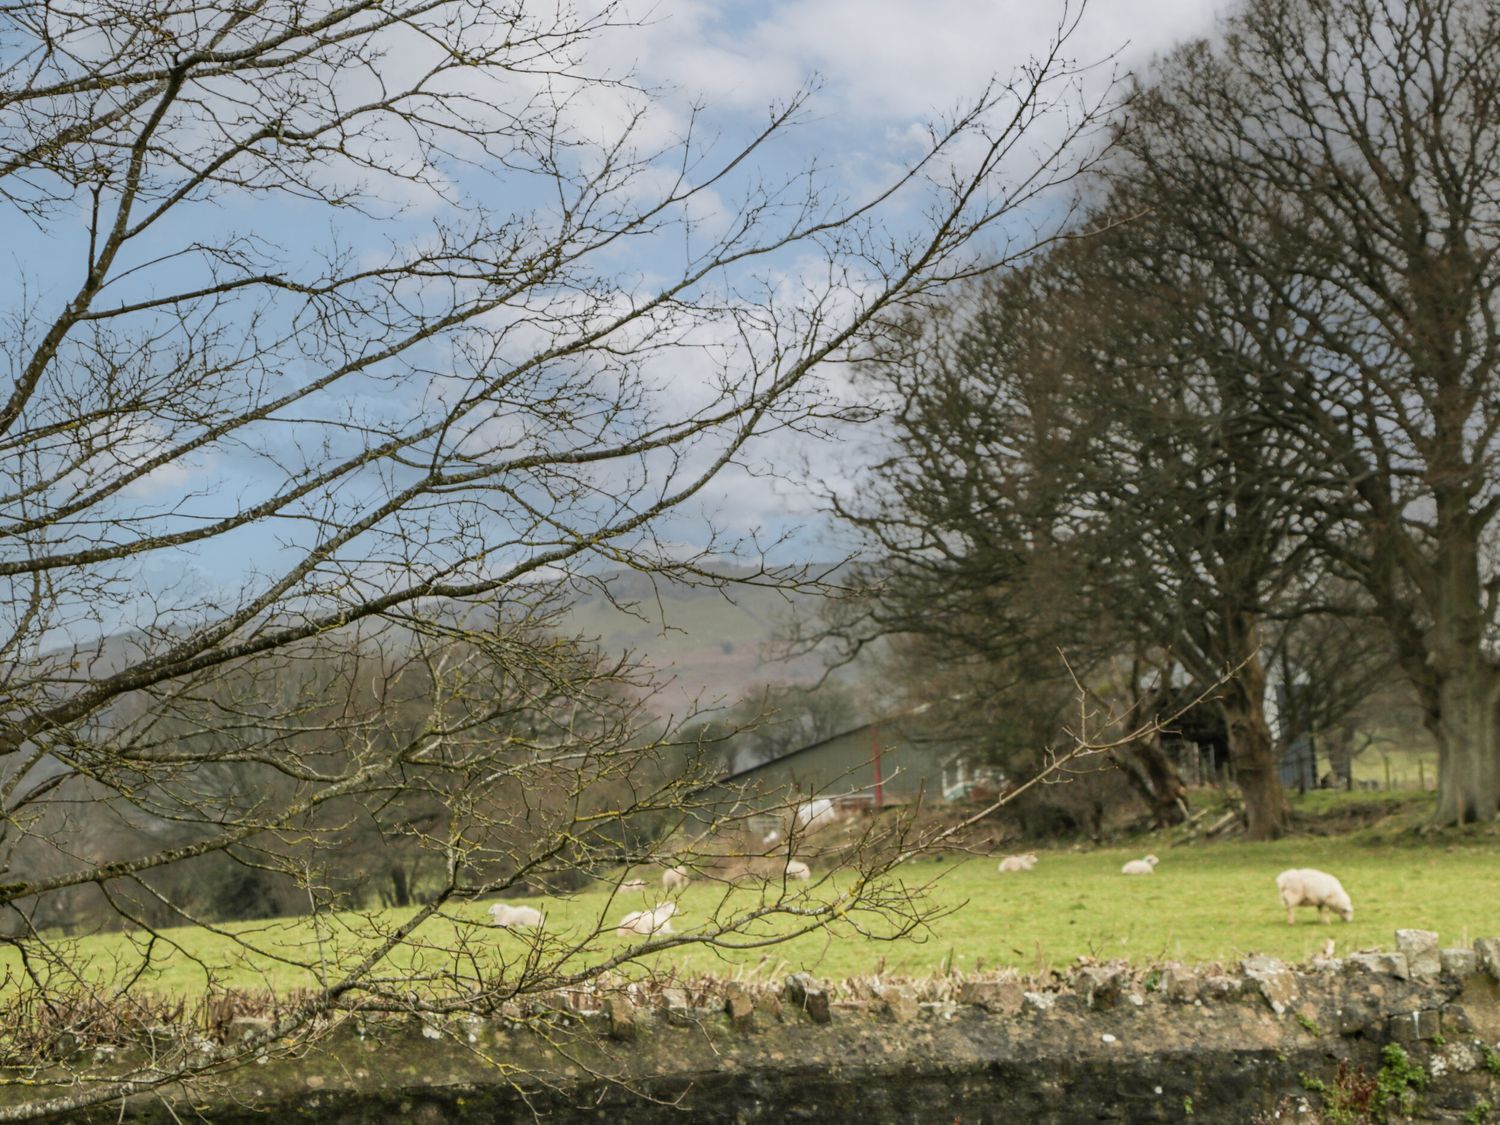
674,879
1306,886
771,837
1017,863
1140,866
814,815
796,869
511,916
633,885
648,923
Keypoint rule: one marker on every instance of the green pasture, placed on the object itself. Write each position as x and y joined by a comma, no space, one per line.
1207,902
1397,768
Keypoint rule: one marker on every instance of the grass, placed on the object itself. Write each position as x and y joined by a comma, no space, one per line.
1212,902
1320,802
1218,902
1401,767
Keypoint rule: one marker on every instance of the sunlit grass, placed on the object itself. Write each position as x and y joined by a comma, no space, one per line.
1210,902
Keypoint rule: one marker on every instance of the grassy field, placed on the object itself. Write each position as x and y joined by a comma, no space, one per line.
1400,768
1210,902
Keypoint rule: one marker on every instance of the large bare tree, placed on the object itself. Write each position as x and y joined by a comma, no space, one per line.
1366,138
1084,461
1025,511
1192,501
972,521
364,322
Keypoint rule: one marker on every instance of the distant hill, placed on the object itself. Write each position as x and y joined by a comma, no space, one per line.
713,645
708,646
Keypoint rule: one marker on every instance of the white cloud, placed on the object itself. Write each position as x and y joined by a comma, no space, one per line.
891,60
886,66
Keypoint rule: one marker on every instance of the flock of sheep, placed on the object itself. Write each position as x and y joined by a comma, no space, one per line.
649,923
1299,886
641,923
1302,886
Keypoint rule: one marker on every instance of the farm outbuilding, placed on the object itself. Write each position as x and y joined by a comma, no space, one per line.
894,761
1198,741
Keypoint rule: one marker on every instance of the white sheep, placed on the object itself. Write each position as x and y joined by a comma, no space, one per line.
511,916
1306,886
815,815
1140,866
796,869
1017,863
674,879
648,923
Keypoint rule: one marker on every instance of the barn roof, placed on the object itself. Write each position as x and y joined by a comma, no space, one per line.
739,775
790,754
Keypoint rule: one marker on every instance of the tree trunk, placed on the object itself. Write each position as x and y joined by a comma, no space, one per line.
1468,785
1157,780
400,885
1467,683
1252,751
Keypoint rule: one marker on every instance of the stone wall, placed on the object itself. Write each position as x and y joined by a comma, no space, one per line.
1104,1042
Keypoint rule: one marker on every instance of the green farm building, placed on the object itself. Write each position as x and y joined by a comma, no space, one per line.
895,761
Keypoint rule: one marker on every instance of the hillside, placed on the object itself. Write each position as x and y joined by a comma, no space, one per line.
711,646
707,647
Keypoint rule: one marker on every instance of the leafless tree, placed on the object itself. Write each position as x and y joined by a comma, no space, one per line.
1339,679
1191,504
972,522
1366,139
350,321
1084,462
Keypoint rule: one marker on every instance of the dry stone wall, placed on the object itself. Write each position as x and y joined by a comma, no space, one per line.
1104,1042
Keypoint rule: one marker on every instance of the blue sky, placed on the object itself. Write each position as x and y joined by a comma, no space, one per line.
881,69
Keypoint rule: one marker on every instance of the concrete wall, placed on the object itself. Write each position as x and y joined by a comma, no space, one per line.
1104,1042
